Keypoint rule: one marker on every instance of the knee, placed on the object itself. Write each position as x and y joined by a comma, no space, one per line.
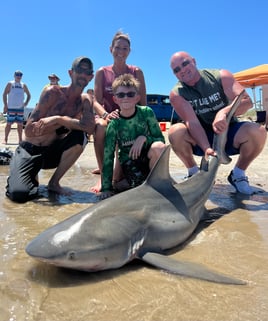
100,131
21,195
156,150
77,149
259,134
263,132
176,133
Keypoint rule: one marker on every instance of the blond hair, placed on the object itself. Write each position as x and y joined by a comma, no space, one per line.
126,80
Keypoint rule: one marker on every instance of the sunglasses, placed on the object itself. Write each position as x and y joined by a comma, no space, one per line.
18,75
129,94
184,64
80,70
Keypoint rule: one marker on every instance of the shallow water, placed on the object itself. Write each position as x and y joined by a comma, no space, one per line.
233,240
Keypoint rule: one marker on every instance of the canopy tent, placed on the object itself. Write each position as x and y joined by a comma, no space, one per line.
253,77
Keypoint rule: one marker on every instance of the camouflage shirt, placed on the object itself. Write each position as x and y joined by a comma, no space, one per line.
124,131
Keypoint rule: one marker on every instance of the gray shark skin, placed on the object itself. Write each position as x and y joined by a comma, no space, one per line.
140,223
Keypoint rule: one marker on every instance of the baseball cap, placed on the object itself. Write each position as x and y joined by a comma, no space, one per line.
54,76
18,72
77,62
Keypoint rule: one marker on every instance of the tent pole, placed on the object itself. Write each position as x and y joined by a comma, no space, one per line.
254,97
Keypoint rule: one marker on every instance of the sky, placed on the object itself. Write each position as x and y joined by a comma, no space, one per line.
44,37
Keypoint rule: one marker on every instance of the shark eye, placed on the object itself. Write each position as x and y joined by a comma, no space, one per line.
71,256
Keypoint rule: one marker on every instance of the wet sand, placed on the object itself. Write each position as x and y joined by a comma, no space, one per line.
233,241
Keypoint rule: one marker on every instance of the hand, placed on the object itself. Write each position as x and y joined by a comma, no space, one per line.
219,124
209,152
136,148
44,125
113,115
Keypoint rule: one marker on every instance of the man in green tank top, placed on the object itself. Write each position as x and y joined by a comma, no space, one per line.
202,99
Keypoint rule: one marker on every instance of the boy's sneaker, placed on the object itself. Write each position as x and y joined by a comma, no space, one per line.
240,184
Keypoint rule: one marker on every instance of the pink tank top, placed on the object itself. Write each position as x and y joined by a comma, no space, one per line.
108,78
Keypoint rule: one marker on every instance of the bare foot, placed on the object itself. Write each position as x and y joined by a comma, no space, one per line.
4,142
96,188
58,189
96,171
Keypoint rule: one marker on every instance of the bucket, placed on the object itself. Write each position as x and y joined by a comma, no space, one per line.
162,127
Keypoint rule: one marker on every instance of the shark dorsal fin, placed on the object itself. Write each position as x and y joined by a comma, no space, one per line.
160,171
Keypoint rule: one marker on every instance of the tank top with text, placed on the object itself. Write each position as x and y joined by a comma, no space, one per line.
16,95
207,96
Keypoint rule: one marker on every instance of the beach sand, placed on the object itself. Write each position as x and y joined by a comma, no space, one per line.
233,240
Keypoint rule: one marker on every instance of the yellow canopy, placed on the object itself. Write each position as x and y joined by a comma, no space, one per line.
252,77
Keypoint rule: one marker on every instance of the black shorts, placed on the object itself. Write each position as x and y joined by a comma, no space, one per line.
29,159
137,170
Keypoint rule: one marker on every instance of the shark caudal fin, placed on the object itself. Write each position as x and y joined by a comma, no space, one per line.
219,141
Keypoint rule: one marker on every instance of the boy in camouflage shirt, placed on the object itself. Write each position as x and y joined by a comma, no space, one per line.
137,134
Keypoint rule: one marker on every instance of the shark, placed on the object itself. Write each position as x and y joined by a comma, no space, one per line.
141,223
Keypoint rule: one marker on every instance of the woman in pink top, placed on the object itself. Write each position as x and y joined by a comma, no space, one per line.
107,108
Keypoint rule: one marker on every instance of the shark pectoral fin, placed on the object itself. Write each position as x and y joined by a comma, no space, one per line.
188,269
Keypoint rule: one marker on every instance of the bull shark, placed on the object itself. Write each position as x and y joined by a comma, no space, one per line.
141,223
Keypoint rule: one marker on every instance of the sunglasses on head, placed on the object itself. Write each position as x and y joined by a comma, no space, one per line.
129,94
184,64
80,70
18,74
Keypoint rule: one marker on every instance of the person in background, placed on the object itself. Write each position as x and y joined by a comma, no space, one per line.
55,135
53,80
108,108
202,99
136,133
13,99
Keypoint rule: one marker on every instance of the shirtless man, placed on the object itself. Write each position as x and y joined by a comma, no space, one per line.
54,135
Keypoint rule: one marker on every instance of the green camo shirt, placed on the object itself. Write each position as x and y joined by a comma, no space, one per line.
124,131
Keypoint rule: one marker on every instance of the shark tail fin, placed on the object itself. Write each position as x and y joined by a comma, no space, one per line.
219,141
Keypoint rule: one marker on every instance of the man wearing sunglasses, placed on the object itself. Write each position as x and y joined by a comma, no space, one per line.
55,135
202,99
53,80
13,98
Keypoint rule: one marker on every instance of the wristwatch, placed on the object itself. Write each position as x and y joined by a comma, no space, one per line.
104,115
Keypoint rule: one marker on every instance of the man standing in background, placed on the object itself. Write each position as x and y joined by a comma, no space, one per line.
13,98
53,80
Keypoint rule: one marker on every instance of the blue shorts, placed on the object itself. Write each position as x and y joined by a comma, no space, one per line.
15,115
15,119
229,148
